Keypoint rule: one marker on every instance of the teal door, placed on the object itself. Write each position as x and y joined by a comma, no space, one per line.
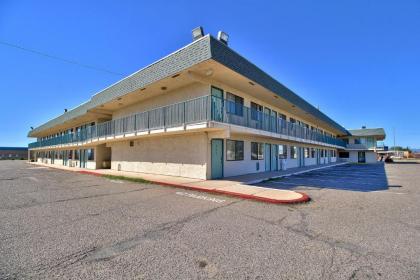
267,157
83,158
361,157
318,156
216,158
274,157
217,104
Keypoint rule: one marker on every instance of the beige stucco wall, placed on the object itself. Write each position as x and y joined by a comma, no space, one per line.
247,165
191,91
177,155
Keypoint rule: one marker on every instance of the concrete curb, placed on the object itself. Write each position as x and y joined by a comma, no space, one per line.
304,198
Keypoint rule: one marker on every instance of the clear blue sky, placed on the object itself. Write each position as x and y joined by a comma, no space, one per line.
353,59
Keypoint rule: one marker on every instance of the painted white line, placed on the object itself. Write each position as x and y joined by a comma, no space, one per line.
202,197
116,181
41,167
33,179
388,192
333,181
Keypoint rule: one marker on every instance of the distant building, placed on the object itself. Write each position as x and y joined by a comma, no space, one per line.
13,153
363,145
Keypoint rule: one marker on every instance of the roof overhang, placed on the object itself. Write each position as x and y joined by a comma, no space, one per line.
195,56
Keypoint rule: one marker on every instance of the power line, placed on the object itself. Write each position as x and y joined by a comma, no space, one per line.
60,58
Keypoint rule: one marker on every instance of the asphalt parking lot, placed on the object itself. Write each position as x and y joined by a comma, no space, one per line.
352,177
63,225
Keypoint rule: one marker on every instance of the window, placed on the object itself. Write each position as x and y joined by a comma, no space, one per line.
234,104
312,153
334,153
217,92
306,152
76,154
282,116
257,151
292,120
343,154
91,154
346,140
293,152
322,152
356,141
234,150
256,110
69,154
131,143
282,151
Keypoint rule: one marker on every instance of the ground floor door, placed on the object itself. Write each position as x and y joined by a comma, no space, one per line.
361,157
267,157
301,157
329,156
274,157
216,158
318,156
83,158
65,157
52,154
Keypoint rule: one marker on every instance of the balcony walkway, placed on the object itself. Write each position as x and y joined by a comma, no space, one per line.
238,186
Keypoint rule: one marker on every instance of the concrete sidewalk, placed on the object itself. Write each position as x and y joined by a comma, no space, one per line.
238,186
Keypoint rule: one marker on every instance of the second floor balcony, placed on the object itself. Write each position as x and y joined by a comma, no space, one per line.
199,110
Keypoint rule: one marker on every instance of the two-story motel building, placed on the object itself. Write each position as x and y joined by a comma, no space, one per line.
203,112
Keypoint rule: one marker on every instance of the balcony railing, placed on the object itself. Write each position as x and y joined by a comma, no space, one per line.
197,110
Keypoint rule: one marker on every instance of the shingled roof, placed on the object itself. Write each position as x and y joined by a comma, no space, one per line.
367,132
196,52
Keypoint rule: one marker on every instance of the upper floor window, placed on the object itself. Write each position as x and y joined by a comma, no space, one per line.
256,111
234,104
357,141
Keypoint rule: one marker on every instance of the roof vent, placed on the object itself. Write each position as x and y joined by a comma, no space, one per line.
65,110
223,37
364,127
197,33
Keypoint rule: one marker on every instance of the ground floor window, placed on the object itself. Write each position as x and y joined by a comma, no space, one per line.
282,151
257,151
322,152
312,153
234,150
69,154
91,154
293,152
76,154
306,152
343,154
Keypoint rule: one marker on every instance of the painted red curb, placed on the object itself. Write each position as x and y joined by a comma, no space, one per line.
304,198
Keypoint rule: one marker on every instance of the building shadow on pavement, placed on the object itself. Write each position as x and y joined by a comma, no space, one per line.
351,177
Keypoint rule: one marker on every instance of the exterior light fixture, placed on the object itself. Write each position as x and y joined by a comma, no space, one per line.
143,89
197,33
119,98
223,37
251,83
163,88
176,75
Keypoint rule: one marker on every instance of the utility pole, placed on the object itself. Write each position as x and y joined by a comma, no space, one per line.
394,143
